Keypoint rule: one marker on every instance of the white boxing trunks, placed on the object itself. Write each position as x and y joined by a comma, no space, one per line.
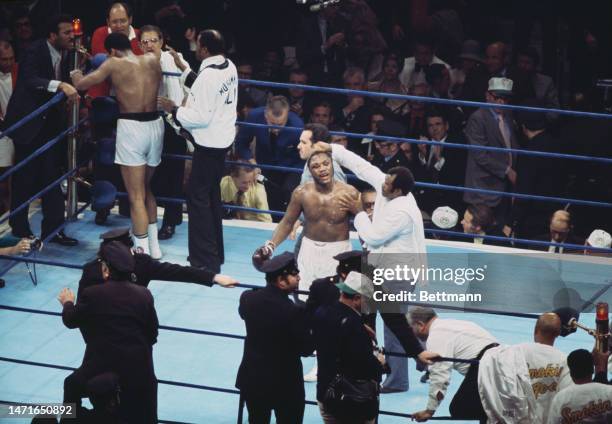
140,139
316,260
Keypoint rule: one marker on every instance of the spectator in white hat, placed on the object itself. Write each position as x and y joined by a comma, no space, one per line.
492,127
601,239
443,218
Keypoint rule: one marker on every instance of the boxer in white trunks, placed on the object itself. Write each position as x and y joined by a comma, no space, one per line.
140,130
326,222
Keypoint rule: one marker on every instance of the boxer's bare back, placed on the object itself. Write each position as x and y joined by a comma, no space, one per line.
135,80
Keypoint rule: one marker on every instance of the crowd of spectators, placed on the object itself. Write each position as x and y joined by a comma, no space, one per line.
442,49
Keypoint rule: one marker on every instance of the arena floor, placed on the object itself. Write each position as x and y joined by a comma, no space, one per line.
192,358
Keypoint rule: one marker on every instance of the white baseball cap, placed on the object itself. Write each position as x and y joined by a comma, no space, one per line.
444,217
356,283
501,86
600,238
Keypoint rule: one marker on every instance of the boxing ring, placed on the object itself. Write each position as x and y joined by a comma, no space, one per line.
200,343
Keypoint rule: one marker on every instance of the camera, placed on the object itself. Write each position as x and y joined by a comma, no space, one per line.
35,244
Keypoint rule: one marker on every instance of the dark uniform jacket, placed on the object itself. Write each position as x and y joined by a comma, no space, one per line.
323,292
120,327
343,347
148,269
276,336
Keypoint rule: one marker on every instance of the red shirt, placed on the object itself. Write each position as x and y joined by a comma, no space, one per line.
97,46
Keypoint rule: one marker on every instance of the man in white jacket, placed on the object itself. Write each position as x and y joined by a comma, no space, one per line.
394,234
540,374
585,401
208,119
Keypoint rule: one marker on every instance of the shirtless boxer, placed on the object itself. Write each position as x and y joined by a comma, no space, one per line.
326,223
140,130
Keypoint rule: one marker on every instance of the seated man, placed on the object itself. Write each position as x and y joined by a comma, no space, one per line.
240,189
560,232
479,219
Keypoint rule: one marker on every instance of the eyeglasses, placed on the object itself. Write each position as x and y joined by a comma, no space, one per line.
150,41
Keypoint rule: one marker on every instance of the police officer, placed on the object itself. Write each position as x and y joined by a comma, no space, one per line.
209,116
120,327
324,292
270,374
147,268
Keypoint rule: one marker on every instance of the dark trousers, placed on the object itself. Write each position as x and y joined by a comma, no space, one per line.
286,411
32,178
138,395
205,209
168,177
466,404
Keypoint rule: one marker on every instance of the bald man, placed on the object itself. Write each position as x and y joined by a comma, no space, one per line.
546,371
560,231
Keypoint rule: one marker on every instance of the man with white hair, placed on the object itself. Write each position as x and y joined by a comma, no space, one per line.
452,339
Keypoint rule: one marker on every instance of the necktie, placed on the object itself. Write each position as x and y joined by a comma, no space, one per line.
239,201
503,129
273,140
57,69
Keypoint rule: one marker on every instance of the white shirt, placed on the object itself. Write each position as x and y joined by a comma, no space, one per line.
548,372
454,339
439,163
408,77
56,59
582,403
6,89
209,113
396,225
171,87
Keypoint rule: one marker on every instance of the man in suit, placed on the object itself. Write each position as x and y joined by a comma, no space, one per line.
437,165
479,220
535,175
273,146
8,80
120,327
560,231
389,153
541,86
40,76
270,377
321,46
492,170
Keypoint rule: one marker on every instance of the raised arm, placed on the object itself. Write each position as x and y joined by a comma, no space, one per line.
83,82
364,170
